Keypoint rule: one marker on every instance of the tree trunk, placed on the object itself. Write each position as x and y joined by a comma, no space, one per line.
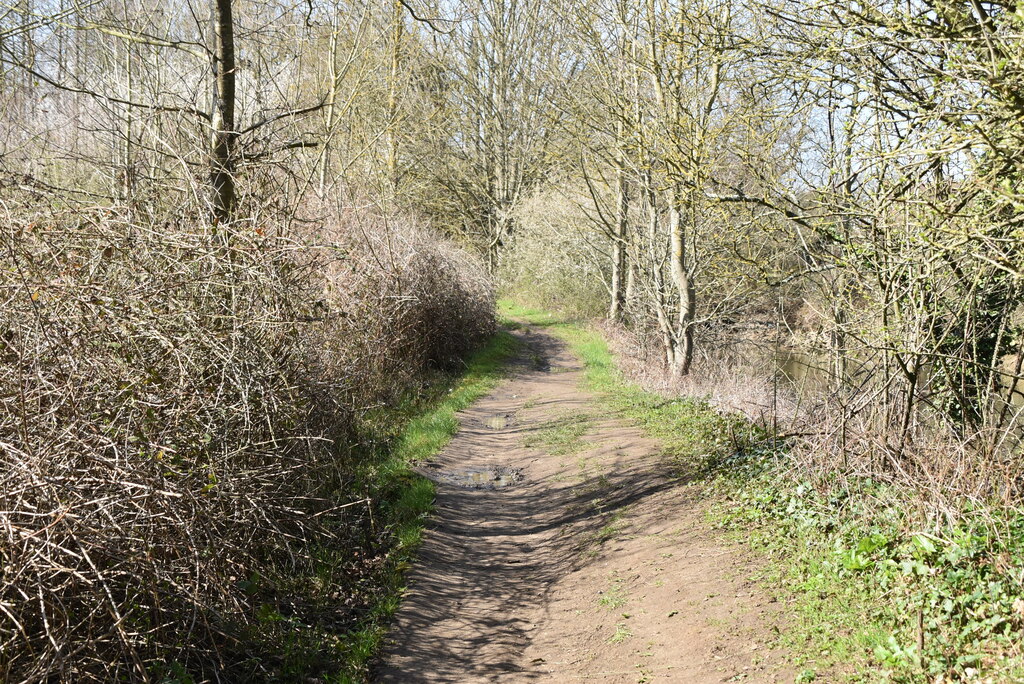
127,185
222,149
656,264
619,243
332,98
684,286
392,122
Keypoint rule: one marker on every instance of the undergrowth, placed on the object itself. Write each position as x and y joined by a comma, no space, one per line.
188,430
879,587
410,433
883,591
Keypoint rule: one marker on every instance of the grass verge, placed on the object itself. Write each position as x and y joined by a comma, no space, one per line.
883,589
409,497
878,587
396,438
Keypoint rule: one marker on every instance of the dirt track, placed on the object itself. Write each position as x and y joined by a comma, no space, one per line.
596,564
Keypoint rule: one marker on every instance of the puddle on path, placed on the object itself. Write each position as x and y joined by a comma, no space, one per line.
487,477
501,421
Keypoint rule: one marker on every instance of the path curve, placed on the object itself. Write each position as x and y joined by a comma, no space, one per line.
595,565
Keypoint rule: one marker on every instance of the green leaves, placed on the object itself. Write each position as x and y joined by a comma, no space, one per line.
856,560
892,653
852,560
859,558
923,545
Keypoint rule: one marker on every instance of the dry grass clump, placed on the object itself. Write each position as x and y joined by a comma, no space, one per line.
175,401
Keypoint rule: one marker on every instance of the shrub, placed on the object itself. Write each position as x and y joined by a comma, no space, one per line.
554,260
178,403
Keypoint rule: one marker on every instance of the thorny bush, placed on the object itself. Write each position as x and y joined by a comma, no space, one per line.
177,402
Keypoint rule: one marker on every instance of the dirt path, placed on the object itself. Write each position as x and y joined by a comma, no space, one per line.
583,560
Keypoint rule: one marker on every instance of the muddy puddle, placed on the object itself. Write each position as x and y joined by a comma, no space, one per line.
488,477
501,421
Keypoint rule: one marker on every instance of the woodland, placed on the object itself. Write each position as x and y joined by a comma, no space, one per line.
241,242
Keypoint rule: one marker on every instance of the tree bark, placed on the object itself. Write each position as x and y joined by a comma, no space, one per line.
224,135
330,107
392,122
684,287
619,241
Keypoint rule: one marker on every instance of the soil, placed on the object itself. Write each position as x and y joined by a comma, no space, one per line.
560,556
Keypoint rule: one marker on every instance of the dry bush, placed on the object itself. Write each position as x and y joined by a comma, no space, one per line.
849,437
556,257
731,382
410,300
833,437
175,401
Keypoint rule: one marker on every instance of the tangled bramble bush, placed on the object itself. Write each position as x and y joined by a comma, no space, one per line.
177,405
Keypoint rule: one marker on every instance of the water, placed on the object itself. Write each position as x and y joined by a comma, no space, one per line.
808,373
488,477
500,421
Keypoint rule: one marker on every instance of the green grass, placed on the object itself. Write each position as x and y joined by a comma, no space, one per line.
615,597
404,435
622,633
410,497
859,563
561,436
